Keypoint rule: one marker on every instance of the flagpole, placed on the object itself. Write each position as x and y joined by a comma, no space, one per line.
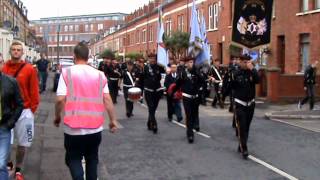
188,28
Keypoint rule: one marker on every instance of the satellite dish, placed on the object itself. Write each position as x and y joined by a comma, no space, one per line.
7,24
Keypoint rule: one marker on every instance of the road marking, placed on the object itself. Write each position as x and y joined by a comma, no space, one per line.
274,169
199,133
294,125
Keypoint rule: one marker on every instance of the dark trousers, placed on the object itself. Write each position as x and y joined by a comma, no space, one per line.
80,146
113,88
152,99
129,104
309,96
174,107
217,97
191,107
43,80
243,116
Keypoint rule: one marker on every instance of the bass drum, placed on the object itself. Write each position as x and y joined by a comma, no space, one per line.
134,94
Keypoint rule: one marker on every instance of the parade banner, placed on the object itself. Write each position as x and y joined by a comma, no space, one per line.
252,23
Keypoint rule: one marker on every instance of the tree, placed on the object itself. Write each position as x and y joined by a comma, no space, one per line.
107,53
134,55
177,44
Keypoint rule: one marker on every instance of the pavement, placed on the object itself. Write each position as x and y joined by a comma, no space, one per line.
278,150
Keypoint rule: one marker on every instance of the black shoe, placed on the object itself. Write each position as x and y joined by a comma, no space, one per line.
237,134
155,129
179,119
239,149
245,154
197,129
170,119
149,125
128,115
214,106
190,139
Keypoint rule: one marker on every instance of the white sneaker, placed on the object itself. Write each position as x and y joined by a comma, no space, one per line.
299,105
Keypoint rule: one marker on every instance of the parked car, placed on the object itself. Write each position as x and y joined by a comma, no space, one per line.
63,63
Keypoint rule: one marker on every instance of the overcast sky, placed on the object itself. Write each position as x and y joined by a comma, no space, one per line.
51,8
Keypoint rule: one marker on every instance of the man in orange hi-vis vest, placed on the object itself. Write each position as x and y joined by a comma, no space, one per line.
84,94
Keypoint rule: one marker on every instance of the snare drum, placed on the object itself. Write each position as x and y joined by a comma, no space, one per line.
134,94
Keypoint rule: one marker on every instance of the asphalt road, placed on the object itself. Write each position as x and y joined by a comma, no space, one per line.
278,151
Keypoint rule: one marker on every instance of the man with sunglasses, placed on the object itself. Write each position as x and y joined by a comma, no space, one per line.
28,83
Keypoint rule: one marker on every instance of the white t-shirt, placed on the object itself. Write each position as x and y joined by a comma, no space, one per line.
62,91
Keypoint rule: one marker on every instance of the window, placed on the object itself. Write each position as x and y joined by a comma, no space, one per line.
317,4
50,39
304,5
60,38
71,28
213,16
304,50
91,27
86,28
150,33
180,23
66,38
168,28
76,27
137,36
40,29
66,28
144,35
55,38
71,38
100,26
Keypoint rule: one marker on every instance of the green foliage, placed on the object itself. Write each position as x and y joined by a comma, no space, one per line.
177,43
134,55
107,53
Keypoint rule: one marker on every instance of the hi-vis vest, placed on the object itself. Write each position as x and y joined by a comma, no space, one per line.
84,108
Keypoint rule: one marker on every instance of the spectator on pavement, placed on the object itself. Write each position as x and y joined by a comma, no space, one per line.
83,92
11,108
309,82
28,82
43,68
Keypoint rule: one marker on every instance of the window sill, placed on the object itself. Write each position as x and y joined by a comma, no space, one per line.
230,27
308,12
212,30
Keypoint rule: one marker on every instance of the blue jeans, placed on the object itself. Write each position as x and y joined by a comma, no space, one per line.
5,136
177,110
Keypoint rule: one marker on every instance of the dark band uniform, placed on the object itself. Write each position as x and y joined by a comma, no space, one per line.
217,74
189,80
113,73
243,85
127,84
150,81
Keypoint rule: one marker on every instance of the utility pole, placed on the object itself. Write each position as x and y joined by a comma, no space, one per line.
58,42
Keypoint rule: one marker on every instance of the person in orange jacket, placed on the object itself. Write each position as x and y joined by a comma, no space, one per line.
27,78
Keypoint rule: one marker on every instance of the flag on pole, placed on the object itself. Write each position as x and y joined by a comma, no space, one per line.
205,53
162,54
195,41
252,23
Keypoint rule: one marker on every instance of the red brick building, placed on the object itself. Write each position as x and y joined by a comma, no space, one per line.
295,38
73,29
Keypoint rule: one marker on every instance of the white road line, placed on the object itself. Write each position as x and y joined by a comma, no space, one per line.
274,169
199,133
278,171
294,125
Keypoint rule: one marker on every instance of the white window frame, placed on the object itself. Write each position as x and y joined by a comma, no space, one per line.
66,28
76,28
151,34
71,28
210,17
91,27
66,38
86,27
100,26
215,16
41,29
168,27
317,5
144,35
60,38
180,22
137,37
71,38
305,5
